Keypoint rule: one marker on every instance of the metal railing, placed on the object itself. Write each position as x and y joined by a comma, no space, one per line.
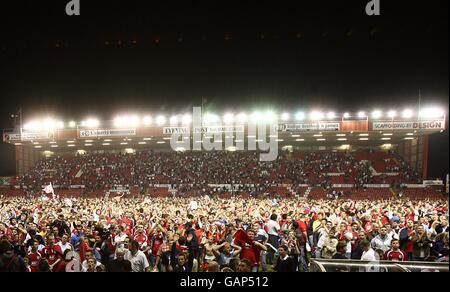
338,265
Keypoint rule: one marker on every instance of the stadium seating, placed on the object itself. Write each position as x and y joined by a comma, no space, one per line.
191,173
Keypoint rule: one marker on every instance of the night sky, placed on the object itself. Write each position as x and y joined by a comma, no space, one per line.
165,56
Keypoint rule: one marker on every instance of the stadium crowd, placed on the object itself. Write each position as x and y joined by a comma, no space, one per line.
195,170
210,234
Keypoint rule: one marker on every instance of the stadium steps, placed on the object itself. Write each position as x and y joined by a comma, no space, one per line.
79,173
393,192
307,192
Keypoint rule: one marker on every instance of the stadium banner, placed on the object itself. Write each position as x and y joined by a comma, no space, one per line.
220,129
343,185
175,130
228,186
161,186
377,185
424,125
308,127
413,186
5,181
27,136
8,137
437,182
106,133
387,173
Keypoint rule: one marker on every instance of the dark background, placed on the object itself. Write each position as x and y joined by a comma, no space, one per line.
165,56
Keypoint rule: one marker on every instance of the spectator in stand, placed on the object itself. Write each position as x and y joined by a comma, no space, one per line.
285,263
273,229
395,253
421,244
382,241
52,253
118,264
9,261
244,266
405,237
139,262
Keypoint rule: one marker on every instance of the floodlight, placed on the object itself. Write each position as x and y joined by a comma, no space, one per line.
315,115
376,114
228,118
407,114
160,120
392,114
299,116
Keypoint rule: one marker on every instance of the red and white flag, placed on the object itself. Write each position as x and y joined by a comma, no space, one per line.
49,190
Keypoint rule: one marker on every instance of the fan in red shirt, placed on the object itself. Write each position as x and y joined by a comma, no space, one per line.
141,237
157,241
395,254
34,256
52,253
303,227
5,231
251,249
129,222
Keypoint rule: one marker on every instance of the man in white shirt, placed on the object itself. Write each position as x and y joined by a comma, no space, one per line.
139,262
382,241
370,256
64,244
273,229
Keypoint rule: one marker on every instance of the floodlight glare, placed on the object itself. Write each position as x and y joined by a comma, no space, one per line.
228,118
49,124
118,121
346,115
174,120
147,120
269,116
34,125
134,121
299,116
331,115
407,113
361,115
256,117
160,120
376,114
72,124
430,113
91,123
315,115
242,117
392,114
210,118
187,119
285,117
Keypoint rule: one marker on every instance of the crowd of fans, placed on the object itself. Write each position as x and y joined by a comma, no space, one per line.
206,232
195,170
210,234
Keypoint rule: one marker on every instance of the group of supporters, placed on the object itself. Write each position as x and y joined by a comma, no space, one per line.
210,234
191,172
